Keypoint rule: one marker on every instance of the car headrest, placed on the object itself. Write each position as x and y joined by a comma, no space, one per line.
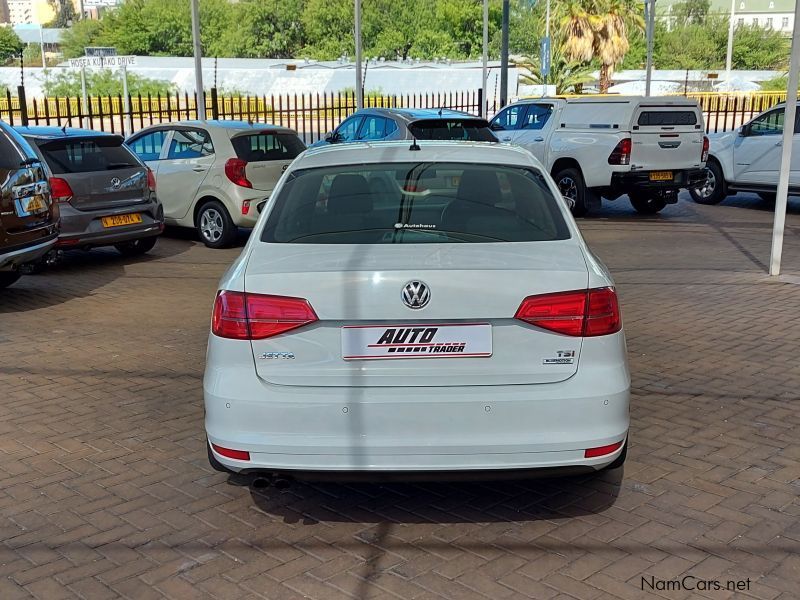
479,187
349,194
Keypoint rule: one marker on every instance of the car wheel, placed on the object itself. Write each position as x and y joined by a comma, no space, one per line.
215,225
712,190
137,247
620,460
571,185
8,277
646,203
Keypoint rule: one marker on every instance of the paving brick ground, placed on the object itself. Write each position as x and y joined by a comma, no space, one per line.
105,490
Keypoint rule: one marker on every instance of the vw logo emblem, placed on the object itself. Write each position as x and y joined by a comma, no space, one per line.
416,294
115,183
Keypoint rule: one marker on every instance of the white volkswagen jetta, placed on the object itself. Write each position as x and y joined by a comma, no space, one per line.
417,308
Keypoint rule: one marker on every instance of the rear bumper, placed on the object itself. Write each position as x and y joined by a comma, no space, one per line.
621,182
416,429
29,253
84,229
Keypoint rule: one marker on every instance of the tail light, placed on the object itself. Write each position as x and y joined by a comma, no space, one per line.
151,180
580,313
243,316
621,155
704,155
235,171
60,190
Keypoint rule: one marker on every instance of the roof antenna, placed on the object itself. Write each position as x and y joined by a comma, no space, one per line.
440,112
414,145
64,129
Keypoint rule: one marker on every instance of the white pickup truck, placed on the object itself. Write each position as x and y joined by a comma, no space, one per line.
607,146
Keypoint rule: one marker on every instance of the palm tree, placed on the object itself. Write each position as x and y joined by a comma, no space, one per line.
599,29
567,75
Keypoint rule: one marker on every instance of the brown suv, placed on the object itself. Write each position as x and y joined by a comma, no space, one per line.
28,216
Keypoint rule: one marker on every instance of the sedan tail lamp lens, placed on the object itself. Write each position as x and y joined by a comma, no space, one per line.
60,190
151,180
235,171
580,313
243,316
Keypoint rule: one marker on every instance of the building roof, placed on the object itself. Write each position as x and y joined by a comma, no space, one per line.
30,34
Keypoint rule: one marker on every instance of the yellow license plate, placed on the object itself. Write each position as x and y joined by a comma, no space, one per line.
36,204
661,176
119,220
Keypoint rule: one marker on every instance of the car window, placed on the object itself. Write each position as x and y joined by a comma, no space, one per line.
474,130
86,155
267,146
10,156
148,146
509,118
190,143
536,116
415,203
348,129
770,123
373,128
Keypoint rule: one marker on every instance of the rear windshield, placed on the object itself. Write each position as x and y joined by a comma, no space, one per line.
668,117
267,146
474,130
402,203
85,155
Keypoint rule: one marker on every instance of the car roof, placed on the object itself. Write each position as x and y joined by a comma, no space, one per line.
400,152
230,125
52,132
416,114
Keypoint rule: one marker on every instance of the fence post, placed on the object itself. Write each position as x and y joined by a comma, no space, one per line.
481,110
214,107
23,105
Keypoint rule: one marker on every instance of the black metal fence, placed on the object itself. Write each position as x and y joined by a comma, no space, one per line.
311,115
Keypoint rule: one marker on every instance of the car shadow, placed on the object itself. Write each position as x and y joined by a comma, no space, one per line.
188,234
505,501
80,273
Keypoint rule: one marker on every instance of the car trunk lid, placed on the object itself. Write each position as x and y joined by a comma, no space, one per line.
476,287
666,138
267,153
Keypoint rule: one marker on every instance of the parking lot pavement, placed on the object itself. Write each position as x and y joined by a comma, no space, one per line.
105,490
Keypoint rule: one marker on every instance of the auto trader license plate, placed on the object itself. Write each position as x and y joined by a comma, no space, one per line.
660,175
119,220
28,206
465,340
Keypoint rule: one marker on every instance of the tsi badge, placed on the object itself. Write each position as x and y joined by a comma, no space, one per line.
273,355
562,357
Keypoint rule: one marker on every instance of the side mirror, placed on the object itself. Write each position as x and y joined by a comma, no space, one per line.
569,202
495,126
744,130
331,137
260,206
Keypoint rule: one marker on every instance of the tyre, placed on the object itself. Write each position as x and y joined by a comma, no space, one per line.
215,226
137,247
647,203
8,277
712,190
571,185
620,460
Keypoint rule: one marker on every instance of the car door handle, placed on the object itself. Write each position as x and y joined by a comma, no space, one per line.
506,139
198,169
538,139
779,143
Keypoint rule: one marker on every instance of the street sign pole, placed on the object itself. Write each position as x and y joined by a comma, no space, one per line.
504,55
485,67
650,7
359,82
786,152
198,62
126,99
729,54
84,99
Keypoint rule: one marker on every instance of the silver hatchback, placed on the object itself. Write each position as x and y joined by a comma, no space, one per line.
106,194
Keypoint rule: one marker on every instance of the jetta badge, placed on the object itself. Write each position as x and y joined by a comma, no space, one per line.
416,294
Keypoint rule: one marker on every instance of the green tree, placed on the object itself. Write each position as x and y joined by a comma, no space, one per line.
690,11
88,32
568,76
65,13
329,28
265,29
102,83
759,48
10,44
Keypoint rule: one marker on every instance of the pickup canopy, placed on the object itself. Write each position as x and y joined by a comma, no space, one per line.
623,113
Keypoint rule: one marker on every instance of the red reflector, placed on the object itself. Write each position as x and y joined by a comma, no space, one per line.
235,171
242,316
228,453
586,313
246,207
602,450
74,242
60,190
